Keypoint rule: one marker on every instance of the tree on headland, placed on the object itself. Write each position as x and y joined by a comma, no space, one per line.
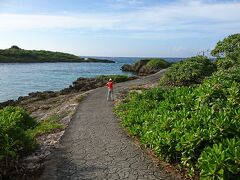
15,47
227,52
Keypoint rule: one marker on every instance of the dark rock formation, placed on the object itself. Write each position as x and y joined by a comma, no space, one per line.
98,60
146,66
136,67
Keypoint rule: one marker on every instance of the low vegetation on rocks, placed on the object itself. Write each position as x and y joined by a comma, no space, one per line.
194,124
46,126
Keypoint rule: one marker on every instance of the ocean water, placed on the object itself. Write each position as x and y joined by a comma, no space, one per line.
21,79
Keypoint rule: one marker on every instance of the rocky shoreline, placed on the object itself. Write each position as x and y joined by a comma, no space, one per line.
80,85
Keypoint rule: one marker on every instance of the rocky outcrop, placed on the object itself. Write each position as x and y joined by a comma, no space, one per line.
136,67
98,60
146,66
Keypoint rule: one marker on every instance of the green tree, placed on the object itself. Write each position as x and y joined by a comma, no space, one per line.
228,47
15,47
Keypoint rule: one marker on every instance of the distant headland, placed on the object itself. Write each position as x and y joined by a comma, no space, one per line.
18,55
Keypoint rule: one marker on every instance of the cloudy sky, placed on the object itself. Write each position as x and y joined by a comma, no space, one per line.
150,28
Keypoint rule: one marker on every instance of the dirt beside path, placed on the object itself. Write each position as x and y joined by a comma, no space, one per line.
95,147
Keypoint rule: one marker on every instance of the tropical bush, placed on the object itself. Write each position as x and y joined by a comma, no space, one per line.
196,126
14,123
224,63
17,138
221,161
190,71
18,131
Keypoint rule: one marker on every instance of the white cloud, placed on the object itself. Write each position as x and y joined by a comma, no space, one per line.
25,21
181,18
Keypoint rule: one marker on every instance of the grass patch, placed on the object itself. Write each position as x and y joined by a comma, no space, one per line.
46,126
158,63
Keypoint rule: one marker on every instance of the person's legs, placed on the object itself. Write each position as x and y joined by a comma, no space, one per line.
108,95
112,95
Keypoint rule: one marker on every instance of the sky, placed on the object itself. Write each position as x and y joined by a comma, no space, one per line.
136,28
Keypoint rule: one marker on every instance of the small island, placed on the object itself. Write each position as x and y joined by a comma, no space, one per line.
18,55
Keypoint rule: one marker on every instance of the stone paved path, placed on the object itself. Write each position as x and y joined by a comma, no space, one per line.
95,147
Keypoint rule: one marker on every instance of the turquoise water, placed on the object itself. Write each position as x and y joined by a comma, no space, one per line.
21,79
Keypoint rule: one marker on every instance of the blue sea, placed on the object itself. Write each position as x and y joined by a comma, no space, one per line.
21,79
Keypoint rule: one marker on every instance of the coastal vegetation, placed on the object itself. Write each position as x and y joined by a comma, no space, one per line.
146,66
18,132
14,139
192,118
190,71
18,55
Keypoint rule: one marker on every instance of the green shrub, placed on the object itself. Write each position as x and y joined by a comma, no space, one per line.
184,124
222,161
18,131
190,71
224,63
14,122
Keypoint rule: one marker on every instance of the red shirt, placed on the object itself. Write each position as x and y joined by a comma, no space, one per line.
110,85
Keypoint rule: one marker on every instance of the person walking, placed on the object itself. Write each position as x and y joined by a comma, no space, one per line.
110,90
